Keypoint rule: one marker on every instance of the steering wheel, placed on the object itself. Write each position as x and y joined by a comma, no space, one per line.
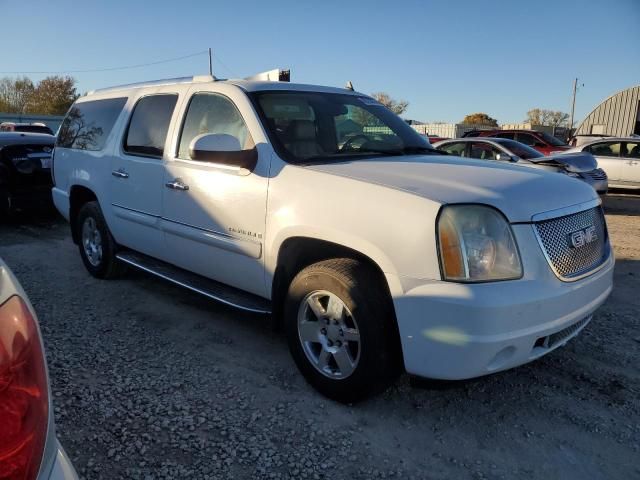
348,143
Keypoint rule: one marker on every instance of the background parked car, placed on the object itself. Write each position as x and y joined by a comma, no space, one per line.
29,448
25,127
619,157
25,171
541,141
580,165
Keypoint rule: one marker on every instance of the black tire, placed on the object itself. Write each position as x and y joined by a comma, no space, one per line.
5,203
108,265
363,293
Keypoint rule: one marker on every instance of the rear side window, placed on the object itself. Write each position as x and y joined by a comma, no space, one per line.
509,135
149,124
88,124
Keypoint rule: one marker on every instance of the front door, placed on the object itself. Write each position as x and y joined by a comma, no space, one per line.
608,156
631,162
137,175
214,215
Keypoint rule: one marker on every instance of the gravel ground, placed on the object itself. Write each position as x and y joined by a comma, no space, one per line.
151,381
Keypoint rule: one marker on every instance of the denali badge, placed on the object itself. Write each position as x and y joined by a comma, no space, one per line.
582,237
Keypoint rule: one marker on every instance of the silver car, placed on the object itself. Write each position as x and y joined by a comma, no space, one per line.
29,448
580,165
618,156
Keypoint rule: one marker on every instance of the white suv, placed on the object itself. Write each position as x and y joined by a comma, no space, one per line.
320,205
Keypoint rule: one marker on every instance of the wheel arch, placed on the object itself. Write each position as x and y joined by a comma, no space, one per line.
299,251
78,196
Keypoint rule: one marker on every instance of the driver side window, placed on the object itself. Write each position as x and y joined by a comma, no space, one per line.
483,151
212,113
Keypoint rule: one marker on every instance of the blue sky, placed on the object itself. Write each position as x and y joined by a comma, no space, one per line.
447,58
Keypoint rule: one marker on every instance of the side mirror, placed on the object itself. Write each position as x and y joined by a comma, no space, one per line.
222,149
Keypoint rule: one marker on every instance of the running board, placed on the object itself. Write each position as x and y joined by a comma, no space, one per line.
197,283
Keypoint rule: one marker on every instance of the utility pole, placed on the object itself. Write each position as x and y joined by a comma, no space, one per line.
211,72
573,104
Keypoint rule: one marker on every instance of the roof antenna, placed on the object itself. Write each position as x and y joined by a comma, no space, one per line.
349,86
210,63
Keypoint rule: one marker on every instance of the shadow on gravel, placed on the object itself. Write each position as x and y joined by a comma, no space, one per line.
622,202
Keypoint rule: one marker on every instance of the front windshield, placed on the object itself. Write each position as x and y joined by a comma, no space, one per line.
520,149
317,126
551,140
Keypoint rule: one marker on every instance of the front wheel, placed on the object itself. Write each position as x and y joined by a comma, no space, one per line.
97,246
340,328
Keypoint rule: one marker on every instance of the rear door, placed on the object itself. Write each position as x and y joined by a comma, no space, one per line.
608,156
138,172
631,162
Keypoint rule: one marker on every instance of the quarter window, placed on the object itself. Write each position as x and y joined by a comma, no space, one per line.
212,113
88,124
149,124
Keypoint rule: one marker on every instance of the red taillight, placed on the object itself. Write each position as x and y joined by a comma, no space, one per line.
24,401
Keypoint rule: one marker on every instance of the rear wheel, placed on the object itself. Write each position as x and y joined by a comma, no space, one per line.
340,330
97,246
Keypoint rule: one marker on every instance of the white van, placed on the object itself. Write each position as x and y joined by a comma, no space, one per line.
324,208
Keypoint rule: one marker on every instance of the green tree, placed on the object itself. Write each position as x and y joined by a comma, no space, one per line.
479,119
53,96
552,118
15,94
396,106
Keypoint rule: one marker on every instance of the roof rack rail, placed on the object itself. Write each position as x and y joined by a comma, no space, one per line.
166,81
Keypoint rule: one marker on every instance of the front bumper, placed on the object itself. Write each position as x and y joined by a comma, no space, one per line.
456,331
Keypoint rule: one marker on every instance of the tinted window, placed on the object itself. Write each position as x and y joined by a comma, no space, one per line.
520,149
509,135
454,148
33,129
632,150
149,124
528,139
212,113
605,149
88,124
483,151
551,140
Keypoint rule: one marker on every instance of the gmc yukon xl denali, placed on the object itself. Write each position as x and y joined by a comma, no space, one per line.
320,206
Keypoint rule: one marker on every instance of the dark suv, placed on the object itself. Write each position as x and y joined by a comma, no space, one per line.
25,171
541,141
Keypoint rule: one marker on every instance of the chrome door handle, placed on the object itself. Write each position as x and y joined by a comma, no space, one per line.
120,173
177,185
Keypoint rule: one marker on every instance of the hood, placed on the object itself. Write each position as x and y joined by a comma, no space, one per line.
518,192
572,162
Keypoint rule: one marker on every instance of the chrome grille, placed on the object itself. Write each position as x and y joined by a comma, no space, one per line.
574,244
596,174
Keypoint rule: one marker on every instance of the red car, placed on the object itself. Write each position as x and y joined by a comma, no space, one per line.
543,142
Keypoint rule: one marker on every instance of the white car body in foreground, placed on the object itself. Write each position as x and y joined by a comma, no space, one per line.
239,226
53,461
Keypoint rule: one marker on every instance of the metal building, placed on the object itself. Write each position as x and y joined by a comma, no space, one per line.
618,115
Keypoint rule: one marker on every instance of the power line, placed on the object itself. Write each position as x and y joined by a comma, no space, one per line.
127,67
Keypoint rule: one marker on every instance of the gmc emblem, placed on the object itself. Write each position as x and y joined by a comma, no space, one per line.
582,237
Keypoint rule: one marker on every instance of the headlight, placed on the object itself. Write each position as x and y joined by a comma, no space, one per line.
476,245
571,174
